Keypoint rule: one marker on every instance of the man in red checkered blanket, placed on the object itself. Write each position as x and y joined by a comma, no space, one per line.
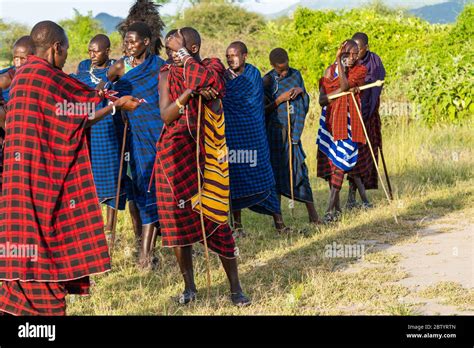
180,83
51,231
349,77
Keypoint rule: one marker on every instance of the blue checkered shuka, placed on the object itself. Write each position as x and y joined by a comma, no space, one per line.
252,184
277,131
145,128
105,143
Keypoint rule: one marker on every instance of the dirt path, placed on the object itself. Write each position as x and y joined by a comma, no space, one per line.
441,252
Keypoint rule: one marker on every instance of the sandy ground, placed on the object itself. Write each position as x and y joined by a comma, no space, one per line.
442,251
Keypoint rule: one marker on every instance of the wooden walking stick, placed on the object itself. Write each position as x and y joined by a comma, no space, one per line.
372,152
290,155
386,174
201,214
377,83
119,184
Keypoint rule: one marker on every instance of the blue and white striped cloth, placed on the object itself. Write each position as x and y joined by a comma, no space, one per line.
342,153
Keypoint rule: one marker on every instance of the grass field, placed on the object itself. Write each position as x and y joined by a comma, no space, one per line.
432,174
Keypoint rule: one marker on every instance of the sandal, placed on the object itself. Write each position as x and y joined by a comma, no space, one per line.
239,232
150,263
187,296
367,205
352,205
328,218
108,237
239,299
286,230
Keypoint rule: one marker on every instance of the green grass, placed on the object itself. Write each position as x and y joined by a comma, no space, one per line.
451,293
290,275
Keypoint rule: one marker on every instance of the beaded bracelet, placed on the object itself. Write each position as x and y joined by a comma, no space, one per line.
182,52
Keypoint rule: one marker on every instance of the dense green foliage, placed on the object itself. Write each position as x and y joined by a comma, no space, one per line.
430,65
443,73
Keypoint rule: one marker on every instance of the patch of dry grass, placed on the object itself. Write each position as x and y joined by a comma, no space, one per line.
292,275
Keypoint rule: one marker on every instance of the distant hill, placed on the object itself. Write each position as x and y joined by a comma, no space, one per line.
108,22
316,5
445,12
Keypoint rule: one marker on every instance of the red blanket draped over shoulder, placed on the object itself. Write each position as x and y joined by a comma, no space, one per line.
176,174
337,109
182,174
49,205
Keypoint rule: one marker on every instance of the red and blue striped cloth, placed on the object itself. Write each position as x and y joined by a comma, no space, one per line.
342,153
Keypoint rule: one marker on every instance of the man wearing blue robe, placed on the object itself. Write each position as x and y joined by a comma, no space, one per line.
105,139
252,184
283,85
137,75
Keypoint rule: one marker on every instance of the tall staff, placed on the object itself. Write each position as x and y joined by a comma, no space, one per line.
370,85
119,184
201,214
290,156
372,153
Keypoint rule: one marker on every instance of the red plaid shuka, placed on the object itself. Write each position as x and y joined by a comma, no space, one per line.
337,109
176,174
39,298
337,125
328,171
367,170
49,201
11,74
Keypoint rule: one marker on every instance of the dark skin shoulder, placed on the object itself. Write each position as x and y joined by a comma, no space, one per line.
116,71
170,111
5,81
3,114
267,81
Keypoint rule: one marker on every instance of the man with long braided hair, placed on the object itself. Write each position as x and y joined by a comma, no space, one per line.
145,11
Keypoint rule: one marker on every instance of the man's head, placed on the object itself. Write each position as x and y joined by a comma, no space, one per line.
280,61
191,41
137,39
362,41
350,54
236,54
169,52
22,48
99,50
50,42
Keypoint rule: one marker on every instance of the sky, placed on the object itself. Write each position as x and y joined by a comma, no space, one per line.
32,11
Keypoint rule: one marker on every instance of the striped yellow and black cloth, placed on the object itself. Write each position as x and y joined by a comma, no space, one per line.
215,186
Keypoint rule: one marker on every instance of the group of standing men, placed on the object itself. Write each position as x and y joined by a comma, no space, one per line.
202,141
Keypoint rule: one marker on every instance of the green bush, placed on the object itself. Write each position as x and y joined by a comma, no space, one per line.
429,65
9,33
217,19
80,30
442,82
